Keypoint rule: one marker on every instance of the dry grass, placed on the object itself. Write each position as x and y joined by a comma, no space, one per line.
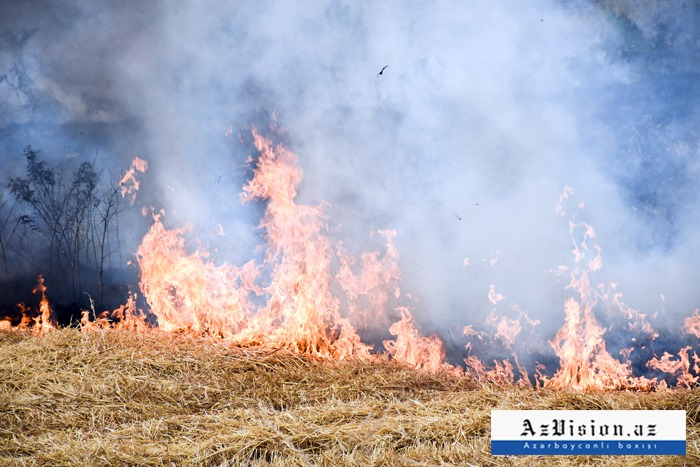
104,398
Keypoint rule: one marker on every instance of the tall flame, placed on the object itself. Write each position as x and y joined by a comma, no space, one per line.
45,321
301,310
579,344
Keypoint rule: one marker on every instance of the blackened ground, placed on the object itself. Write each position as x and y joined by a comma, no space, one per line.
17,299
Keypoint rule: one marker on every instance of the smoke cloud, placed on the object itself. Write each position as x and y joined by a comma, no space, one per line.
486,111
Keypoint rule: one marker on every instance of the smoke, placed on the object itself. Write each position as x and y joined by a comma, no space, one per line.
463,144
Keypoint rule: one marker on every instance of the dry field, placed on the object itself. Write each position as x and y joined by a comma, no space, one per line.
121,398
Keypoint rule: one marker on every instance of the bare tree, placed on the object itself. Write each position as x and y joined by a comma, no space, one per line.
40,191
7,232
106,227
66,213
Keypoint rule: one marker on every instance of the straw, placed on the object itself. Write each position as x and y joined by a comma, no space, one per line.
110,397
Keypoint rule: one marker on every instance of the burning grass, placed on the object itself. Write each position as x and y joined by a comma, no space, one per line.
155,398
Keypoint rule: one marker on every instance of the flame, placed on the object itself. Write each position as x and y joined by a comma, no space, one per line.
301,313
579,344
501,373
585,363
39,324
494,297
302,309
45,321
567,191
367,293
125,318
186,291
679,368
410,347
508,329
129,183
26,320
692,324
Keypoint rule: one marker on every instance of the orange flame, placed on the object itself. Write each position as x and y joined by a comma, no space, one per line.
368,292
679,368
302,310
129,183
410,347
188,292
692,324
585,362
508,329
44,322
126,318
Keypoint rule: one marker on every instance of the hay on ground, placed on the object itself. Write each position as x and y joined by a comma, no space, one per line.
110,397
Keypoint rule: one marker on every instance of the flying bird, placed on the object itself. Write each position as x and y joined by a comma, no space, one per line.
458,218
381,72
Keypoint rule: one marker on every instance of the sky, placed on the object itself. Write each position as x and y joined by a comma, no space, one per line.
486,111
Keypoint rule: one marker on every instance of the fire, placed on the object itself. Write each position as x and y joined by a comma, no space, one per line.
501,373
39,324
126,318
679,368
26,320
692,324
410,347
45,321
129,183
301,312
314,297
367,293
302,309
187,291
579,344
495,297
508,329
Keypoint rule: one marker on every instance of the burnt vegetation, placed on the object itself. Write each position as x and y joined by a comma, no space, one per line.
61,223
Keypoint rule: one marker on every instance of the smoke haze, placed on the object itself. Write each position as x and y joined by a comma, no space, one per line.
486,111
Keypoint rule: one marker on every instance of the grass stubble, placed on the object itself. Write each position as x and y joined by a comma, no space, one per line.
123,398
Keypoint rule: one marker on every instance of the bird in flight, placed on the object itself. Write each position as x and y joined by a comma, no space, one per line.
458,218
381,72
